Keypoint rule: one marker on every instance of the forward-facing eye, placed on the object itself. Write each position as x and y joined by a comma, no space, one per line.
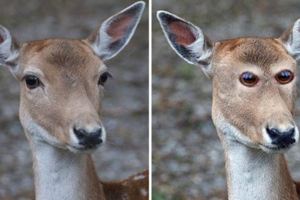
284,77
249,79
32,81
103,78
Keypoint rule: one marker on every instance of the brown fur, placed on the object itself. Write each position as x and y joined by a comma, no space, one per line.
243,115
67,54
297,184
134,187
266,57
66,65
62,83
70,69
251,109
259,51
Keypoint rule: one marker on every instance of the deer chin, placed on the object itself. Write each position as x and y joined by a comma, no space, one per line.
38,133
231,132
81,149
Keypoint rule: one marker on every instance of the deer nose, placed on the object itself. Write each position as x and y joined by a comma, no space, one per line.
89,139
282,138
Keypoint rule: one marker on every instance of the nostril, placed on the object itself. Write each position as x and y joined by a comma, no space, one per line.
97,133
273,133
80,133
96,136
291,132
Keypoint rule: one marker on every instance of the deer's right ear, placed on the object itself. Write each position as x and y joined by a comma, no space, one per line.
9,49
187,40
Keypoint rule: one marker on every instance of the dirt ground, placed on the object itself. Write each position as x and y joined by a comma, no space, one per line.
188,161
126,95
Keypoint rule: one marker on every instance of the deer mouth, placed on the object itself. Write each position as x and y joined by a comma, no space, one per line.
83,149
276,148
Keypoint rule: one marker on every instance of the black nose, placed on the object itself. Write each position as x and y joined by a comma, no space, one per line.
89,139
282,138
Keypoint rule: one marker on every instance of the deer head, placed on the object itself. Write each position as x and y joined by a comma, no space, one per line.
62,81
254,81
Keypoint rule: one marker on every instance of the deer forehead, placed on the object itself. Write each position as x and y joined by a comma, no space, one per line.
258,54
70,59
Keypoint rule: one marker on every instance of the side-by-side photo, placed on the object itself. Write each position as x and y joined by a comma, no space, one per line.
74,100
225,111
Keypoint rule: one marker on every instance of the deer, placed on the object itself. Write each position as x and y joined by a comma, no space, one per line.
61,89
253,97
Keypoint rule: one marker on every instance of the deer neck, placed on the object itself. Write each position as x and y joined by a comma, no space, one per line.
254,174
61,174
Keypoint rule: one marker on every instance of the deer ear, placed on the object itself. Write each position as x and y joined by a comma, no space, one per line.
9,49
187,40
115,32
291,40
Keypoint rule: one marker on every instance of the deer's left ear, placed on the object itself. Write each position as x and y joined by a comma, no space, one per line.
291,40
9,49
187,40
115,32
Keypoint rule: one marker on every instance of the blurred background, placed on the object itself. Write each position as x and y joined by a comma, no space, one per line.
188,161
126,95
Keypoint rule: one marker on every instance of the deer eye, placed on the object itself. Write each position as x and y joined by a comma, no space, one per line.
32,81
103,78
284,77
249,79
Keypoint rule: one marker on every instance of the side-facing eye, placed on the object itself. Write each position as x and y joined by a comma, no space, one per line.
249,79
284,76
32,81
103,78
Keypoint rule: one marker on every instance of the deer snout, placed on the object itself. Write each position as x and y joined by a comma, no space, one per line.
282,137
88,137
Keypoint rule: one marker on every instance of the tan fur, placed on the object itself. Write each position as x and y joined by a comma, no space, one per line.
249,117
250,109
70,69
265,57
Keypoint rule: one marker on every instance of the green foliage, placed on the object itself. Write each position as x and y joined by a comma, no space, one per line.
157,195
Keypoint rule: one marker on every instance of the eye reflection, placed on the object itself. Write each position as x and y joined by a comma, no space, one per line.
249,79
284,77
32,81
